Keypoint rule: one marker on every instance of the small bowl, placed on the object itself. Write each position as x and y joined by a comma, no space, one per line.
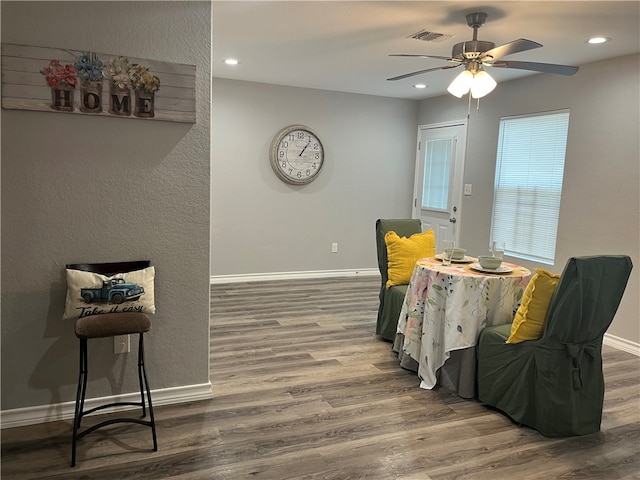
456,253
489,262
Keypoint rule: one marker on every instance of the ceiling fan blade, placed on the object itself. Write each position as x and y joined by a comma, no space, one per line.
520,45
536,67
407,75
449,59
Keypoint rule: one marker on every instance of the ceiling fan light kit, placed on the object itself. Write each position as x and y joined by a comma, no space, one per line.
473,79
483,83
476,54
461,84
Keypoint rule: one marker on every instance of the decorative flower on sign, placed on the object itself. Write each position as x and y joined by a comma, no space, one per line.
144,81
119,72
57,75
89,67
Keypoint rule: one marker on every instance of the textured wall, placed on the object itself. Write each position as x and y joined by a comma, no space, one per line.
77,188
600,211
262,225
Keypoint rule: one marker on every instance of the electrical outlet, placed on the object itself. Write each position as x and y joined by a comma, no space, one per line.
121,344
334,248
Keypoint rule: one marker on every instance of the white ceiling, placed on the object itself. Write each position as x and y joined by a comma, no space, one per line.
345,45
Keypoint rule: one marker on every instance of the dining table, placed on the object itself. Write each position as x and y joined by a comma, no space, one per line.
444,310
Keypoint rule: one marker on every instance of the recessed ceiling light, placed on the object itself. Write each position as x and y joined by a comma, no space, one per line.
420,85
596,40
231,61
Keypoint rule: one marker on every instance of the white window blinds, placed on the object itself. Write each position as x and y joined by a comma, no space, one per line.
437,174
528,184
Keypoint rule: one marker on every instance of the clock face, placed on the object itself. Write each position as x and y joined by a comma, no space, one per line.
296,154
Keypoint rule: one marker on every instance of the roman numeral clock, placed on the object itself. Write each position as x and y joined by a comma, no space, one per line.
296,155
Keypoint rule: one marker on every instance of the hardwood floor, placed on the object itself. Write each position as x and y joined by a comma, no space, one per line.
304,390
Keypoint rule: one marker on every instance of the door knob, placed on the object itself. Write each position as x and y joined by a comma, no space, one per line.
452,219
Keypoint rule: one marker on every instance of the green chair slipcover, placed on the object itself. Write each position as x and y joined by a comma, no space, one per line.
391,298
555,384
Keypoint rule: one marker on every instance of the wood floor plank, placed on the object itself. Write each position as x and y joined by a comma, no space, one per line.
304,390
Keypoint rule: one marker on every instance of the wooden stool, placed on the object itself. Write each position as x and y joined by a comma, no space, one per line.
110,325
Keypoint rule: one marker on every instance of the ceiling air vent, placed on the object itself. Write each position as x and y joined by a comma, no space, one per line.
427,36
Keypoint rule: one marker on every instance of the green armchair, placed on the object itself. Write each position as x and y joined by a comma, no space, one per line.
391,298
555,384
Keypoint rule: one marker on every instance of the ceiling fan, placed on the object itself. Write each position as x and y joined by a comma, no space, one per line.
476,54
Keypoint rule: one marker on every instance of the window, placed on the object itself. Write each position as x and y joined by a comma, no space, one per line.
528,184
437,174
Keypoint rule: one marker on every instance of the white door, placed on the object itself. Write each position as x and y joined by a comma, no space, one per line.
439,177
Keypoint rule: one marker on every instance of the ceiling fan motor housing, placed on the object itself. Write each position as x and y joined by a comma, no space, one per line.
471,49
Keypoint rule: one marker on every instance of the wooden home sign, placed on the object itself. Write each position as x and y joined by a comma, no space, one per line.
90,83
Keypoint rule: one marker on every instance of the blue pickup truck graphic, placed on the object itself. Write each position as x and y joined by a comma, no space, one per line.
113,290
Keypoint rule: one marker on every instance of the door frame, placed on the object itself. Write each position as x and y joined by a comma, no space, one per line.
458,175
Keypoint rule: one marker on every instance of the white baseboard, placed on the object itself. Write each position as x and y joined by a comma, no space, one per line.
621,344
19,417
261,277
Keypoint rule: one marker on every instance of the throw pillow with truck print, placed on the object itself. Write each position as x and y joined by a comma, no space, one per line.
94,294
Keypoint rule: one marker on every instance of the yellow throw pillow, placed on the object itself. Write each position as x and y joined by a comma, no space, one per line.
403,253
528,323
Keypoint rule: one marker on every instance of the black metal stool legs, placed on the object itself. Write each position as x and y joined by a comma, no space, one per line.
82,391
142,377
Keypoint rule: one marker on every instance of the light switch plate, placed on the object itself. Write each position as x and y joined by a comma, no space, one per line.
467,189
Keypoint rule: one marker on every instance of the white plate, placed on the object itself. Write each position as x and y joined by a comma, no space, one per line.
465,259
501,269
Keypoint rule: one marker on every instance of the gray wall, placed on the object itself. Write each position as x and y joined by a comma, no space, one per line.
262,225
77,188
600,209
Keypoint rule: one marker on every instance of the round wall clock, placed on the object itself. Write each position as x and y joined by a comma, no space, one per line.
296,154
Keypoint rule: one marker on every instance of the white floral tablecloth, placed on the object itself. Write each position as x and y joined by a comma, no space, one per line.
446,307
